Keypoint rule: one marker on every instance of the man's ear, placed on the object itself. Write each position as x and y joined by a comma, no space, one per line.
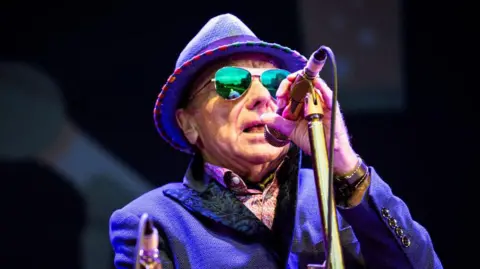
187,124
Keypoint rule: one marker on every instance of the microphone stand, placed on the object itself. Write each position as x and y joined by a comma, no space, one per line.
147,253
304,98
320,163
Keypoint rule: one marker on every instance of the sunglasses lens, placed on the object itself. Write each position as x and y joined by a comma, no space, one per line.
232,82
271,79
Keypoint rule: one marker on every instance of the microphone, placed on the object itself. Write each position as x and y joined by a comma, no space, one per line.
148,254
298,90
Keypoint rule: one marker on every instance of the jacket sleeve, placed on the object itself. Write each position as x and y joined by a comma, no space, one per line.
123,238
388,236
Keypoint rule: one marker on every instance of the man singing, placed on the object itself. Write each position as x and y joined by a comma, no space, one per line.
244,203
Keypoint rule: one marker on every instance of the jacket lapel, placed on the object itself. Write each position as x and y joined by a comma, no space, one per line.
283,224
208,199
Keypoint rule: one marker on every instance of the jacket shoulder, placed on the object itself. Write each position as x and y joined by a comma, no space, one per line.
150,201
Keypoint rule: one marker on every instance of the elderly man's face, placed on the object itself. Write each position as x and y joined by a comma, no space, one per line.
223,128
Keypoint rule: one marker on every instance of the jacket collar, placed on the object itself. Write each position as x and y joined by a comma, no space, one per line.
203,195
197,180
209,200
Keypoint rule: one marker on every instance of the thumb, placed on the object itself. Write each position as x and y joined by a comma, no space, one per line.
277,122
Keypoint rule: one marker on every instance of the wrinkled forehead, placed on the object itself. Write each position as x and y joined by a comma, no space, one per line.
241,60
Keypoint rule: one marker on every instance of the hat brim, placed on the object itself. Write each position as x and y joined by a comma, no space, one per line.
173,90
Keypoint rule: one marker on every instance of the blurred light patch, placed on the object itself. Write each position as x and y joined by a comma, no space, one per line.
366,37
34,125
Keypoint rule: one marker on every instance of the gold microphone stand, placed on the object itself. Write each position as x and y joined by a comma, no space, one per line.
304,98
326,203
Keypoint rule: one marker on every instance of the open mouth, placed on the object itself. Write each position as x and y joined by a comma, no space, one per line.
257,128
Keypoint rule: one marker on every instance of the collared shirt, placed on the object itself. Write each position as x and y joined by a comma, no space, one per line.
261,202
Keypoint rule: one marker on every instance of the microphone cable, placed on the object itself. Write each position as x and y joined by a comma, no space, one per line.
331,150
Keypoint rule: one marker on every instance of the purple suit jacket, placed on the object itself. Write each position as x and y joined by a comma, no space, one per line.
203,225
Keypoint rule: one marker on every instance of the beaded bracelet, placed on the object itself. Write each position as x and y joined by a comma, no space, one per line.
353,173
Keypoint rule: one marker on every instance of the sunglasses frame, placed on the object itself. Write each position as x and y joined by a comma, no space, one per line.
249,86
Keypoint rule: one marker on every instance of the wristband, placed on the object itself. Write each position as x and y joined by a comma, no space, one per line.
345,185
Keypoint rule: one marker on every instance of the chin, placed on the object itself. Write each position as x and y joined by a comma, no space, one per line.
260,153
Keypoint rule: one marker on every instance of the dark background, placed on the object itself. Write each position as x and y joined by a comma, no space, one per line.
110,59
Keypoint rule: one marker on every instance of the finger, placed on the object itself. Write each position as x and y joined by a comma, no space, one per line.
283,88
275,121
293,76
287,113
282,94
325,91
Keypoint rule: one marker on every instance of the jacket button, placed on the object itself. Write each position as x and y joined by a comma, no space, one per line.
392,222
385,213
399,231
406,241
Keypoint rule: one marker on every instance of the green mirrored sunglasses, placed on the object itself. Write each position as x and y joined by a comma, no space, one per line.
232,82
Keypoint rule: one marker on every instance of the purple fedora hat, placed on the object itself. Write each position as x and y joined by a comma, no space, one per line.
223,35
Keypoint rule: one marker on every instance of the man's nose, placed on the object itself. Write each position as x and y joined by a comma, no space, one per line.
258,97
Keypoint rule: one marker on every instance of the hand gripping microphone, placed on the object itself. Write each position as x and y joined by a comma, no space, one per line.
322,159
299,89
